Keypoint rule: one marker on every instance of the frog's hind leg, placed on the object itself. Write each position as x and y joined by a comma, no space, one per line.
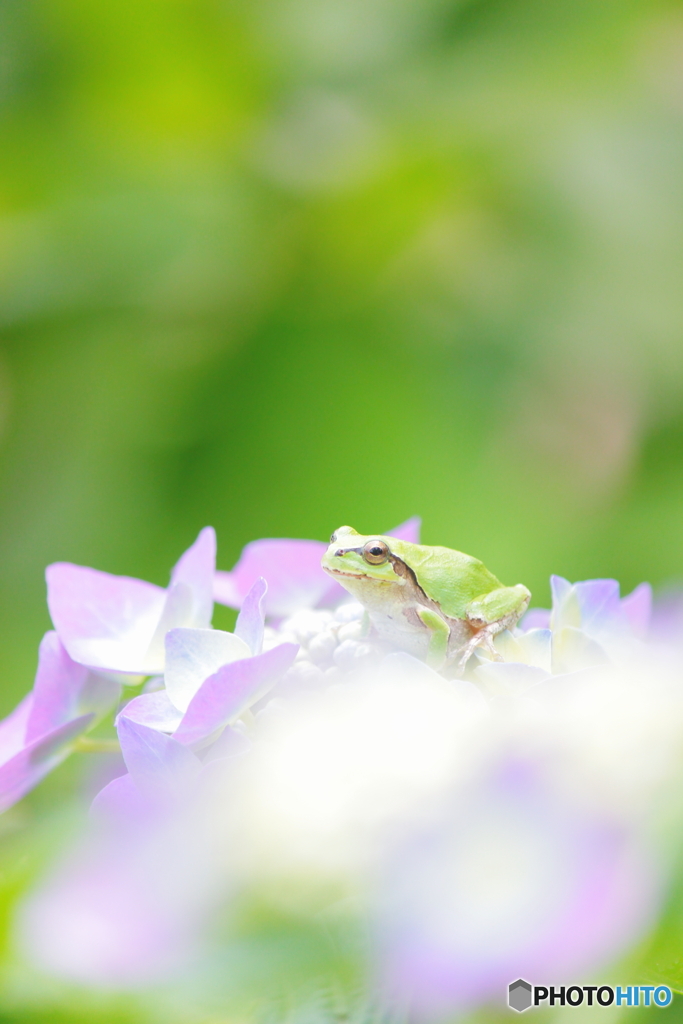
491,614
482,638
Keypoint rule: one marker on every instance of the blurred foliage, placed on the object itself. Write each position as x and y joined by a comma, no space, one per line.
286,264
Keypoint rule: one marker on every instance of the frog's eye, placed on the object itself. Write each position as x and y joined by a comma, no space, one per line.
375,552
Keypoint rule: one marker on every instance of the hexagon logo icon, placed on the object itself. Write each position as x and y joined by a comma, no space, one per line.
519,995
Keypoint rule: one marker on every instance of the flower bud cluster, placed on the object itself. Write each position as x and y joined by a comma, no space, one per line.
332,643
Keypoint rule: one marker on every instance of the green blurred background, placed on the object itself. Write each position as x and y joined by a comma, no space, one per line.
278,265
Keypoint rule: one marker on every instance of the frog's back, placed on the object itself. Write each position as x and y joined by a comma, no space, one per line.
449,577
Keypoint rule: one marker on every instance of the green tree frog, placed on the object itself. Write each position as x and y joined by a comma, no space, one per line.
434,602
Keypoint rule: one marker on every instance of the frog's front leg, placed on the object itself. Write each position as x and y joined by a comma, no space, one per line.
491,614
439,634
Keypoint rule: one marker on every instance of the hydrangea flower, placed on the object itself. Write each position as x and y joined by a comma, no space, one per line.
212,677
66,701
507,823
157,738
119,624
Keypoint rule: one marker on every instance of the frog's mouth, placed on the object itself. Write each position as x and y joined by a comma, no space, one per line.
353,575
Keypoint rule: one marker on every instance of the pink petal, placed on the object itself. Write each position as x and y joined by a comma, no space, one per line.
291,568
637,608
104,621
116,623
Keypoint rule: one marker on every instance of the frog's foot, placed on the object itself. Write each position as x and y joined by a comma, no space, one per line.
491,614
482,638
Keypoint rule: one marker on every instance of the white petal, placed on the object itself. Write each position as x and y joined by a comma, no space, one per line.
192,655
177,611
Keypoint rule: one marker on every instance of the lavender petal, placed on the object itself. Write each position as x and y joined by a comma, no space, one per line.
64,689
196,568
104,621
154,710
159,765
224,696
251,619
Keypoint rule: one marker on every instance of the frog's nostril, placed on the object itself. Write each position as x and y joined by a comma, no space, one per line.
339,552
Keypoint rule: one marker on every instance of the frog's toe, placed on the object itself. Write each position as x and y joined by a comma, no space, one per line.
482,638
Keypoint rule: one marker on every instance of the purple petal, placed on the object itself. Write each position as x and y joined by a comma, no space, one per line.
104,621
64,690
591,605
154,710
291,568
38,733
599,603
192,655
26,768
123,802
408,531
637,608
196,570
121,799
251,619
159,765
536,618
235,687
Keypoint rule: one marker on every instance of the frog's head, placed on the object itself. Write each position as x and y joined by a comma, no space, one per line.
351,556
